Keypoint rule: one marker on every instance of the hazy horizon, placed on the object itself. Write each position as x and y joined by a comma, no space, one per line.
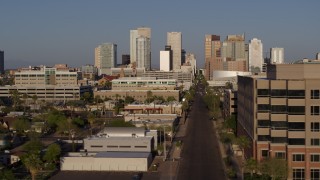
58,32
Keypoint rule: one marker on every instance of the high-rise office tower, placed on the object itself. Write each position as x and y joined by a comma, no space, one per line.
134,34
105,57
174,39
276,55
212,54
233,48
143,54
255,55
1,62
125,59
318,56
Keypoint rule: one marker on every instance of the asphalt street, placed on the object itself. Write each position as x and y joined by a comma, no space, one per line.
201,157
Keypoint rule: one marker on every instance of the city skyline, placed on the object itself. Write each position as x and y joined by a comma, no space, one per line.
47,33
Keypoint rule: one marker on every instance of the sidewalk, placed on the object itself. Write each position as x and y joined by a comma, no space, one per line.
169,168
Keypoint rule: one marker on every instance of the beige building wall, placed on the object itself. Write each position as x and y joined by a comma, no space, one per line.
281,115
174,39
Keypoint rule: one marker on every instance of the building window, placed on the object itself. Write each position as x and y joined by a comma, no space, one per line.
263,107
280,155
296,126
265,153
263,92
315,110
315,94
315,174
296,94
296,110
279,109
298,157
315,127
264,138
315,157
96,146
296,141
279,93
298,174
315,142
264,123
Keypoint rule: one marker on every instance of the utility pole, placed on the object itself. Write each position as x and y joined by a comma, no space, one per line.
164,143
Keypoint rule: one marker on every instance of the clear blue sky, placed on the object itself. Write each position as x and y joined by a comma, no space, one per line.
38,32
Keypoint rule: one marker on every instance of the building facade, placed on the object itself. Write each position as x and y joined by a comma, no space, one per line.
125,59
174,39
105,57
277,55
134,34
143,54
143,83
212,55
280,115
255,55
165,61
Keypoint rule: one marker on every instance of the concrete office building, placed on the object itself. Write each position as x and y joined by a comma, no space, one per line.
1,62
114,149
174,39
280,115
191,61
143,54
165,61
212,55
134,34
127,72
255,56
89,72
229,103
143,83
277,55
179,76
105,57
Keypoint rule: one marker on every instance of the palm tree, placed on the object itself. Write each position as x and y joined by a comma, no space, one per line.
25,98
243,143
34,98
33,163
15,95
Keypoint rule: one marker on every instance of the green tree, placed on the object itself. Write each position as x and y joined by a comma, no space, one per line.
15,96
251,165
243,143
78,121
22,124
34,145
52,154
33,163
34,99
171,99
87,97
275,168
91,120
6,174
231,123
229,85
128,100
25,98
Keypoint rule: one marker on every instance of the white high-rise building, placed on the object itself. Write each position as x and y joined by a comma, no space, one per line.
143,54
318,56
174,39
276,55
134,34
255,55
164,60
105,57
191,60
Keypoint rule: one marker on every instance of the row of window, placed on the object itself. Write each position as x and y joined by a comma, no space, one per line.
282,125
299,174
295,157
283,93
290,141
291,110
